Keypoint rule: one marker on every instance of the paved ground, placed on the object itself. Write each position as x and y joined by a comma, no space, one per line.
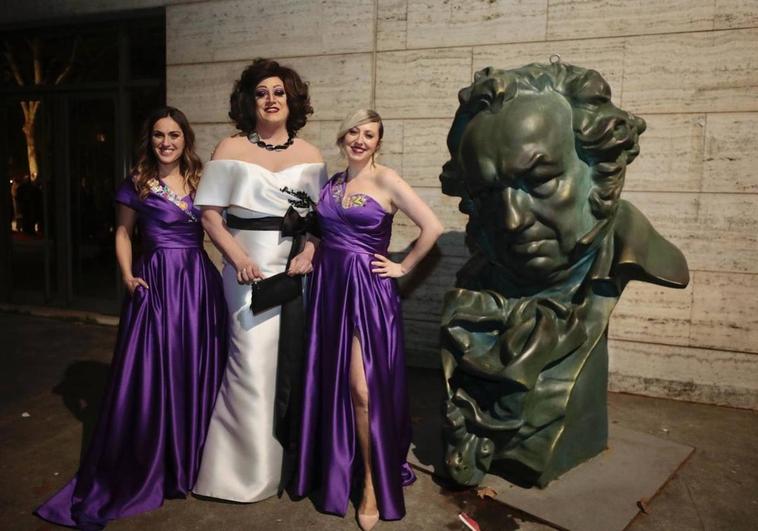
54,371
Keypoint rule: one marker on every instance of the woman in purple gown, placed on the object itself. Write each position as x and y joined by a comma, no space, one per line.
356,417
171,348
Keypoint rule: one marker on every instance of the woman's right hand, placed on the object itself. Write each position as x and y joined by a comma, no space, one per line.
132,283
247,271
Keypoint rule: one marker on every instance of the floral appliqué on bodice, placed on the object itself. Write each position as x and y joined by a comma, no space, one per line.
349,201
160,189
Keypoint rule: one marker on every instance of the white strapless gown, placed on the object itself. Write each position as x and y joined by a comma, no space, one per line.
242,460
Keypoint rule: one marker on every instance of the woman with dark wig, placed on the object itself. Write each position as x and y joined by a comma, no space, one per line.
171,347
256,195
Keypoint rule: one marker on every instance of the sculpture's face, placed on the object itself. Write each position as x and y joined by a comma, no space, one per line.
530,188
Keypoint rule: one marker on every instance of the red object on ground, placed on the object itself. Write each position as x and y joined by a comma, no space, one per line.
469,522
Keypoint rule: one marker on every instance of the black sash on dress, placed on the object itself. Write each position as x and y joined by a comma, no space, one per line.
288,401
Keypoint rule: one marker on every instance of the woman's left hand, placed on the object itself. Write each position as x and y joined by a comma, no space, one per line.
386,268
301,264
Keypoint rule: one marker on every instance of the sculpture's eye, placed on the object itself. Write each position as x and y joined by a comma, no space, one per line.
541,183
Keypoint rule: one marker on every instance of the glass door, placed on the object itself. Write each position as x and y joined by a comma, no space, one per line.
92,177
29,158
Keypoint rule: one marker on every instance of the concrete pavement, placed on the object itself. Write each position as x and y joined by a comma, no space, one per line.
53,375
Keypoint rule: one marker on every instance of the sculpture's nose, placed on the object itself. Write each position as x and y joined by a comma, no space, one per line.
517,212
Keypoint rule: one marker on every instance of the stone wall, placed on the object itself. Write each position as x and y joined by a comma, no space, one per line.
689,67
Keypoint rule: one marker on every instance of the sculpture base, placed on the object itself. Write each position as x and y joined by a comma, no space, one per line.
602,493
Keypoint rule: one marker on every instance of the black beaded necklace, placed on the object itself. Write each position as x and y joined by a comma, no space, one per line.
255,139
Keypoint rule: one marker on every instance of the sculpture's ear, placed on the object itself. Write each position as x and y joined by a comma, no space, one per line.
451,177
641,253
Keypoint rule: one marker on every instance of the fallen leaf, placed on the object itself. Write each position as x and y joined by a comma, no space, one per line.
642,503
486,492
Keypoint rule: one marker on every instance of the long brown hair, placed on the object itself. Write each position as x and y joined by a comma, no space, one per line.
146,167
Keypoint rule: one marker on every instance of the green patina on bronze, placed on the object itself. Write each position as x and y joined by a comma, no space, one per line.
538,158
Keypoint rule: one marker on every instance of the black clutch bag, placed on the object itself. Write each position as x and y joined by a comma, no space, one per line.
275,291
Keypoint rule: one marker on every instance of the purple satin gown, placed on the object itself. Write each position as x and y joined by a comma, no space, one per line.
347,299
166,371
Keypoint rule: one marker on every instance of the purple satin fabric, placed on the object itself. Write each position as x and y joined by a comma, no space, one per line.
345,297
166,370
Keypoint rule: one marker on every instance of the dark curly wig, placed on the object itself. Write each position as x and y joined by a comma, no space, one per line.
242,100
607,138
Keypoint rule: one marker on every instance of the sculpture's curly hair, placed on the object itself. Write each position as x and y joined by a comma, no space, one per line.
242,99
607,138
146,165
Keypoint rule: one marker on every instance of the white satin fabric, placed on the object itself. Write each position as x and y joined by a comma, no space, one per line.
242,460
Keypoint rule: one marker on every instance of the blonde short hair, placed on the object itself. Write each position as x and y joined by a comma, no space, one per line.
359,117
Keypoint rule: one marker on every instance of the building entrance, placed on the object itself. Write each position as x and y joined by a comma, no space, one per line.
72,100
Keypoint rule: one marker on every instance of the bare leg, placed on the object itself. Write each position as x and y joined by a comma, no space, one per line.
360,398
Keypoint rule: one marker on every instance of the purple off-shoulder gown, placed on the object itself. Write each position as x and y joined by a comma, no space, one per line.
347,299
166,371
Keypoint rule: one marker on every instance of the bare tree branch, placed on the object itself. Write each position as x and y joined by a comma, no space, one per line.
12,64
70,63
36,45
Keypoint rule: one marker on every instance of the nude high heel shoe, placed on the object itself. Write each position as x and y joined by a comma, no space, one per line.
367,521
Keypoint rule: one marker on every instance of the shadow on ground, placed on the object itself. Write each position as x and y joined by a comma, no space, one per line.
82,389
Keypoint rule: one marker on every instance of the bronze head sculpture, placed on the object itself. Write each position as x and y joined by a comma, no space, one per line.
538,158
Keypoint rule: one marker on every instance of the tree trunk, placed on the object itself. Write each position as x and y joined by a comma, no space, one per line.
30,113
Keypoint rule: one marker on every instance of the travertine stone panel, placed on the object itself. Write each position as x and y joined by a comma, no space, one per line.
603,55
674,216
425,151
736,14
391,150
404,231
716,232
337,83
731,147
202,91
423,293
726,239
671,154
570,19
460,22
213,253
321,134
207,137
422,344
311,132
391,24
725,311
699,375
653,314
691,72
240,29
421,84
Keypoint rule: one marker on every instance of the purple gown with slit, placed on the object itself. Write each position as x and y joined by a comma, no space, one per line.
166,370
347,299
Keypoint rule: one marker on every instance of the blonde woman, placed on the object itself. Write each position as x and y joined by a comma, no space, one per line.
355,400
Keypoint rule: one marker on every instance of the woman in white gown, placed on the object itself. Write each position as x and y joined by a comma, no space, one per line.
260,173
